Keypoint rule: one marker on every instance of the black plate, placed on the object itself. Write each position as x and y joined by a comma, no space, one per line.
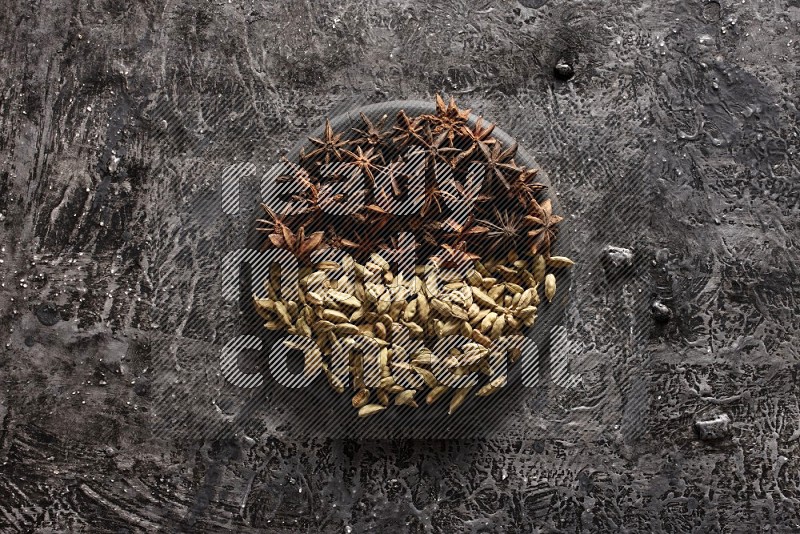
319,411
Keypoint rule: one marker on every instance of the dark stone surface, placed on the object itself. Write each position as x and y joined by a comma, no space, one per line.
707,90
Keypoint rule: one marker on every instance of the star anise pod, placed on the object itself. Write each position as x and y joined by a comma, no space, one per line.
365,161
431,197
298,243
330,146
334,239
451,112
275,225
364,243
454,256
427,229
408,130
462,232
316,197
372,134
478,137
399,244
469,192
295,172
499,161
449,118
375,221
523,188
505,231
401,174
459,250
435,152
428,234
542,216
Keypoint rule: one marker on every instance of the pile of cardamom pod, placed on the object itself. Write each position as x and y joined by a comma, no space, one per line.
494,300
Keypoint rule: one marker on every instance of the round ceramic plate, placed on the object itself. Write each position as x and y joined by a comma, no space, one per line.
320,411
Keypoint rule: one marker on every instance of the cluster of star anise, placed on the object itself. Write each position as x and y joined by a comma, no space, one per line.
469,197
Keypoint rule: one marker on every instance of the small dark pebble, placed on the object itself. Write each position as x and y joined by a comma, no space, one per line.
142,387
661,312
47,313
538,445
563,70
713,428
29,341
110,451
711,11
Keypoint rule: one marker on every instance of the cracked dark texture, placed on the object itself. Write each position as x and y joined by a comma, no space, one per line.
91,237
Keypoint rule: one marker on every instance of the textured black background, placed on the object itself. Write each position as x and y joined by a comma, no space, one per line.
680,124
